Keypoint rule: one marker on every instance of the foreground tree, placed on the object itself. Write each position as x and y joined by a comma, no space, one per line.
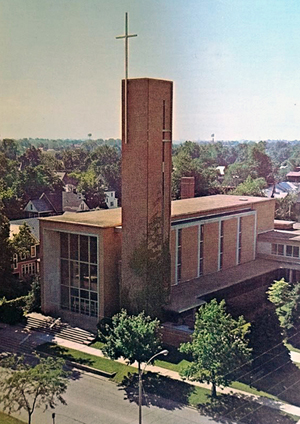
26,387
135,337
286,298
219,344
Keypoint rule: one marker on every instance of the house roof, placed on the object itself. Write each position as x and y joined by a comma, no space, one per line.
293,174
41,205
33,224
180,208
55,200
71,201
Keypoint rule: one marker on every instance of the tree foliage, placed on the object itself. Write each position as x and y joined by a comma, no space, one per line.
150,262
26,387
6,249
219,344
251,187
134,337
286,298
285,208
23,240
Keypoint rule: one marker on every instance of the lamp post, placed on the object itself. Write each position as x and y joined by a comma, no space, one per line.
141,372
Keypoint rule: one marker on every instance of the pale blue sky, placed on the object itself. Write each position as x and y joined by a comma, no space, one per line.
235,66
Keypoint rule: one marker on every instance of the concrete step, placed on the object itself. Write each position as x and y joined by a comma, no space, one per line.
39,322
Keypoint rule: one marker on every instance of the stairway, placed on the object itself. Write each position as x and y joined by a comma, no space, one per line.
42,324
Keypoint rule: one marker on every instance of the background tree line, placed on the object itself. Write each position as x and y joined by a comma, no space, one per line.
29,167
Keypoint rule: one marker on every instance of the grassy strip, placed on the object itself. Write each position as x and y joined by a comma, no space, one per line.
176,361
291,347
7,419
235,407
122,371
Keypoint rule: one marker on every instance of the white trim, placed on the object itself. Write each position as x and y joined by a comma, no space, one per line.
202,221
255,237
176,256
199,236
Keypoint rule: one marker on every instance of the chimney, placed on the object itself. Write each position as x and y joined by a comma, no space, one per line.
187,187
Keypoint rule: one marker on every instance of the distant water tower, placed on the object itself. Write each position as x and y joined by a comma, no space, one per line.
212,138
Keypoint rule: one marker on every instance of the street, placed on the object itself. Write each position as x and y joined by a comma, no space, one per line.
94,400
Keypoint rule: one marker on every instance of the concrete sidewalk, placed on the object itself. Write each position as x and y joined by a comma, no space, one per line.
281,406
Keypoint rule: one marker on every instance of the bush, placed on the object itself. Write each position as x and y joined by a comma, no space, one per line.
33,299
11,311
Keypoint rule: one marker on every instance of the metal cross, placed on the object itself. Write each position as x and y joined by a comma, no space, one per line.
126,36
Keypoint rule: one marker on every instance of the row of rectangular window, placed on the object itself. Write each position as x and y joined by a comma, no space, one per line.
285,250
80,301
28,269
79,273
78,247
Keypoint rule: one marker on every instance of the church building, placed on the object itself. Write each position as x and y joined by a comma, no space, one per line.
214,243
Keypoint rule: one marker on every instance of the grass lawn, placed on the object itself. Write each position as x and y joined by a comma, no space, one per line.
175,361
7,419
102,364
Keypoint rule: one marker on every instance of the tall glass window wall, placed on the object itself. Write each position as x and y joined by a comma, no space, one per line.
79,276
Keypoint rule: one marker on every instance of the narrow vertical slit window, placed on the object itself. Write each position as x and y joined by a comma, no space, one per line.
201,233
239,241
179,241
221,245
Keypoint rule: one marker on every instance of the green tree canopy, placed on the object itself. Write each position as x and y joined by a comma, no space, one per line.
26,387
23,240
135,337
6,249
286,298
285,208
251,187
219,344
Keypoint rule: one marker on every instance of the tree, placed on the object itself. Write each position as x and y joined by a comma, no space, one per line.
285,208
286,298
6,249
251,187
23,240
134,337
27,387
219,344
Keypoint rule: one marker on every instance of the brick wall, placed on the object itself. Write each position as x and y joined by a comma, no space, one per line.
248,230
189,253
230,243
210,248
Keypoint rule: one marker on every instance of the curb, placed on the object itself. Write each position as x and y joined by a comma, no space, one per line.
82,367
90,369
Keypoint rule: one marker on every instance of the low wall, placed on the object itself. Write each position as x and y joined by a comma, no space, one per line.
174,336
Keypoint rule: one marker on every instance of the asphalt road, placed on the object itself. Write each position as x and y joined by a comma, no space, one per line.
94,400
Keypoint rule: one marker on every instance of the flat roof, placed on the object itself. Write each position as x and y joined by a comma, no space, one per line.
280,236
187,295
106,218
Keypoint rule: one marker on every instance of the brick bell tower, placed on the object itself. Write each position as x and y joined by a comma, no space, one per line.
146,183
